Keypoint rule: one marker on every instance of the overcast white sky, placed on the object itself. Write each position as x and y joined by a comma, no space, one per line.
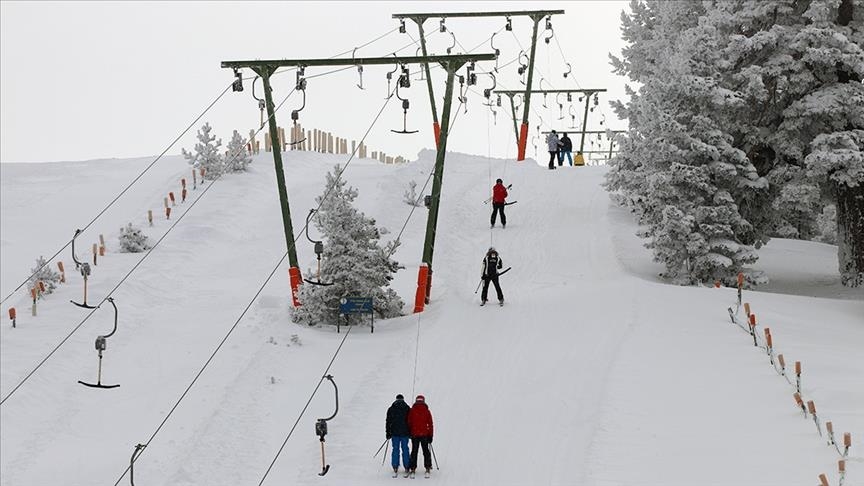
88,80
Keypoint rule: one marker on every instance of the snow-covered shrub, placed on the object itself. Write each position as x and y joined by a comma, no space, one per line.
133,240
353,260
826,223
206,154
238,158
43,272
410,195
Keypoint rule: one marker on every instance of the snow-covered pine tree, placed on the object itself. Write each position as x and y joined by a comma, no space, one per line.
679,169
353,260
133,240
42,271
238,158
206,154
410,195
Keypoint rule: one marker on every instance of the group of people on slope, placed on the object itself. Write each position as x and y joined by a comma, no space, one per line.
409,422
558,148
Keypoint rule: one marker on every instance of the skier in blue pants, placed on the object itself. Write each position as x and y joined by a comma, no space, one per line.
396,429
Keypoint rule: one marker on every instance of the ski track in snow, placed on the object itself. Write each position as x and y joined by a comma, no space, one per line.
591,373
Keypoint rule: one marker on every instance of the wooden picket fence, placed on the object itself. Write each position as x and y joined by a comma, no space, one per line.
316,140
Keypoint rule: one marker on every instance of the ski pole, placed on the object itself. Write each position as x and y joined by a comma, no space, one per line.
433,456
478,286
382,446
384,457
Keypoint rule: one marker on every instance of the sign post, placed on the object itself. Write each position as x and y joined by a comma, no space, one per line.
355,305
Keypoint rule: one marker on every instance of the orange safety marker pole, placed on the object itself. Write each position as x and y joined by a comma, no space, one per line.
800,403
41,287
829,427
194,179
823,481
62,272
171,197
167,213
150,216
798,376
101,244
812,408
523,140
740,286
841,468
12,315
165,202
847,443
33,295
420,296
747,308
769,345
201,170
95,252
296,279
716,284
753,328
183,195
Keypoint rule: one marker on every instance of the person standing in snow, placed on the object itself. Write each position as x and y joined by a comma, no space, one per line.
499,194
420,426
396,429
491,265
566,149
554,145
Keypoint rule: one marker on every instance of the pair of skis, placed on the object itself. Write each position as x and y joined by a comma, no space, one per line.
426,475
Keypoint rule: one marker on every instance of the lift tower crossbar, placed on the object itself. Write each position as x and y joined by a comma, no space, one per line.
266,68
535,15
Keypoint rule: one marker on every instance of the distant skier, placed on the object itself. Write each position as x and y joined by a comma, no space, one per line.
499,194
554,145
491,264
566,149
420,425
396,428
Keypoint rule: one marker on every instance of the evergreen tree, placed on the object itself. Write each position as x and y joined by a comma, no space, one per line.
353,260
133,240
207,154
238,158
43,272
410,195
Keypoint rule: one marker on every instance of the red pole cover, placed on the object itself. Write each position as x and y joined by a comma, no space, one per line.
12,313
523,140
296,280
422,279
436,129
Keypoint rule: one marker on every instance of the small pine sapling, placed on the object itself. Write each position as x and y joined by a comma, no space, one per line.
206,154
410,195
238,158
133,240
42,272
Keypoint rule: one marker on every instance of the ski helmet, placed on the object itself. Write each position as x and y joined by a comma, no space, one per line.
421,398
399,397
499,181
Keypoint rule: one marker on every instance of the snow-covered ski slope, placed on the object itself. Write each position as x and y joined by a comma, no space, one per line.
593,373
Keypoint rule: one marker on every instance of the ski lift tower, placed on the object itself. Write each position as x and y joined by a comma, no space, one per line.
266,68
535,15
587,93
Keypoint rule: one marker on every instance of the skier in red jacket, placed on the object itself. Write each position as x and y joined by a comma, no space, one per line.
420,427
499,194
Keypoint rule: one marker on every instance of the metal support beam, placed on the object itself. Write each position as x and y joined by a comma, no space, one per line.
523,131
265,73
432,221
359,61
511,92
513,13
584,121
513,109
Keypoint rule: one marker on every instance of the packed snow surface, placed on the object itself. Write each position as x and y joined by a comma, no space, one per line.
594,372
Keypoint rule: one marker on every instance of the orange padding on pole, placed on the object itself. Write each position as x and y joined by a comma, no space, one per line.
811,407
436,130
296,280
420,296
740,279
798,399
12,313
823,481
768,340
847,439
841,465
523,139
829,426
797,367
747,308
752,320
782,361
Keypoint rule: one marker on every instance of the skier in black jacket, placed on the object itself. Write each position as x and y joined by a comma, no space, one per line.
491,265
396,428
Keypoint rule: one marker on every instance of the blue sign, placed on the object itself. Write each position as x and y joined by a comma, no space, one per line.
355,305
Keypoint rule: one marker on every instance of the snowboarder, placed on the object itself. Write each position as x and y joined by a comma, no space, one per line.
499,194
553,144
396,429
420,425
491,265
566,149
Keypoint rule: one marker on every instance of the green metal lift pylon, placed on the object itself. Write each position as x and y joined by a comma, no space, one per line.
266,68
535,15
